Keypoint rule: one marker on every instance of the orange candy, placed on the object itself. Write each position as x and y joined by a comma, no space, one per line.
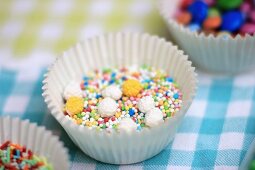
212,22
184,18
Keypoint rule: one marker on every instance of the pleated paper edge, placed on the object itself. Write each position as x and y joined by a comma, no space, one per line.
72,128
36,138
197,46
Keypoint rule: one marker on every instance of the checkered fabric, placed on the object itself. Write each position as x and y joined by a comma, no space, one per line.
217,130
36,30
215,133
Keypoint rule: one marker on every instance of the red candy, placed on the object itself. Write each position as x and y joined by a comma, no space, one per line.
186,3
248,28
252,16
245,7
184,18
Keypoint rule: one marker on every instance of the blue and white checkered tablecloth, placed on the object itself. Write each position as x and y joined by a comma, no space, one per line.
215,134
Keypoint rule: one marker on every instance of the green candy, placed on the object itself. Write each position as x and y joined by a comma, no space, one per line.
229,4
252,165
213,12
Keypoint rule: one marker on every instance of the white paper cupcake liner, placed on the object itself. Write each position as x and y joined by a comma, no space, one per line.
217,54
119,49
36,138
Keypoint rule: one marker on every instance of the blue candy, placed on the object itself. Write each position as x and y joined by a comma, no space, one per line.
199,11
232,21
194,27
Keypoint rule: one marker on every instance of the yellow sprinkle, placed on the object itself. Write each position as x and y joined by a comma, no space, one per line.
131,87
96,117
74,105
118,114
79,121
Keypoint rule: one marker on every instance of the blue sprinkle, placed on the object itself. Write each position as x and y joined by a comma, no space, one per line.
98,96
149,86
113,75
111,81
139,128
176,96
124,78
169,79
85,78
86,83
131,112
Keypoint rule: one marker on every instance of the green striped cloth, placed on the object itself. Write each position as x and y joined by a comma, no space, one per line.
34,29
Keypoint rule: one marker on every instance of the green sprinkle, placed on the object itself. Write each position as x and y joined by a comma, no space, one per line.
123,108
4,160
92,114
1,153
168,114
142,124
104,126
114,126
8,154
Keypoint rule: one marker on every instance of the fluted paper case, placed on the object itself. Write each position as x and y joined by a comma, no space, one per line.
220,54
36,138
117,50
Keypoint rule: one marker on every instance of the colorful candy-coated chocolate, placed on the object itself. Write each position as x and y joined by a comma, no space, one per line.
213,12
212,22
252,16
210,2
246,7
186,3
229,4
184,18
199,11
248,28
232,21
234,16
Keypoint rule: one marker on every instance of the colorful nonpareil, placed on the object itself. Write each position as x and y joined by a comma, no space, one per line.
134,97
216,16
17,157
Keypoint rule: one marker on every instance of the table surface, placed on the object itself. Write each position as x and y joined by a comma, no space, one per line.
216,131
